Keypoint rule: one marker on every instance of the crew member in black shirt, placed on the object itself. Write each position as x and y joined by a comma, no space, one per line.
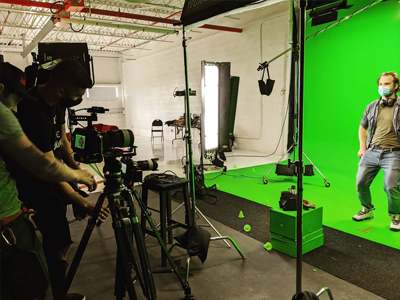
44,124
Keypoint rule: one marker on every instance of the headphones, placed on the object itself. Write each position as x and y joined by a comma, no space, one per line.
390,102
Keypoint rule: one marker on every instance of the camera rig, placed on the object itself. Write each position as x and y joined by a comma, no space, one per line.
89,145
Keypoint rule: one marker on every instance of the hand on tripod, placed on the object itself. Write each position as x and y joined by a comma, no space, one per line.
85,177
103,214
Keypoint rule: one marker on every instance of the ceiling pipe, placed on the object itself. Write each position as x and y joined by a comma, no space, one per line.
116,14
129,27
136,31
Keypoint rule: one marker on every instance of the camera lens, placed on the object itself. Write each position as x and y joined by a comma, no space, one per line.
148,165
117,138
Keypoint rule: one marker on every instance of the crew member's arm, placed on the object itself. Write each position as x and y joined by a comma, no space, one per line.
41,165
66,150
362,136
73,197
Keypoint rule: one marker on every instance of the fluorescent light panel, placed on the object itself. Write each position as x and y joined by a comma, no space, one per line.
210,109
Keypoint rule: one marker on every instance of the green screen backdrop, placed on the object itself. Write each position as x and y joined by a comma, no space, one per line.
342,65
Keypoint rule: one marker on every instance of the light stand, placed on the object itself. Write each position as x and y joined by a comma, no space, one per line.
299,163
189,153
189,149
188,134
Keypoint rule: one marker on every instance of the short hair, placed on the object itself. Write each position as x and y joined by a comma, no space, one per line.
395,79
70,71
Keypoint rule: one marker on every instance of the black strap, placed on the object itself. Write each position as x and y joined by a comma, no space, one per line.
267,71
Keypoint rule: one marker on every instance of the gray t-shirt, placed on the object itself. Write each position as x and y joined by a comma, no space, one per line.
9,129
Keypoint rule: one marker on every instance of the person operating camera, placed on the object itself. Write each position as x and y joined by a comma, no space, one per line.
44,123
17,232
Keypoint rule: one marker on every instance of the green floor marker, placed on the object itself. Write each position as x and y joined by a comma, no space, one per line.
208,169
247,227
217,185
234,166
268,246
254,170
315,270
241,215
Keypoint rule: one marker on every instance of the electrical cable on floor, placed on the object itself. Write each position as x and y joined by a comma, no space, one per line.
213,177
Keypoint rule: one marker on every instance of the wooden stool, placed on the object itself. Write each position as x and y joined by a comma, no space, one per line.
167,223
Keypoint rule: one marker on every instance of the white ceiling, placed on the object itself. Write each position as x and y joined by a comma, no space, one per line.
20,24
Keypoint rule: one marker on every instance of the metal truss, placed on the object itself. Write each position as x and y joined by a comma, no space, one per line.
21,24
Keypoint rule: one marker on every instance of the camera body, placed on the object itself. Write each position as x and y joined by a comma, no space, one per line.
90,146
132,171
87,145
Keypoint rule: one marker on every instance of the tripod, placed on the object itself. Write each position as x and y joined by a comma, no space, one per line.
126,226
125,222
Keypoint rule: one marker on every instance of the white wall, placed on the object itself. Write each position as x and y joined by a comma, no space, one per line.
149,81
16,59
107,72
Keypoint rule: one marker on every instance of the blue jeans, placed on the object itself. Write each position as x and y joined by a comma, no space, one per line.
371,162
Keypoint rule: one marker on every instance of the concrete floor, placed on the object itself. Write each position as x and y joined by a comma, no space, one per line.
224,275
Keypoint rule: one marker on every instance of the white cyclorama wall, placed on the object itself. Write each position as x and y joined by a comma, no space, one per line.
149,82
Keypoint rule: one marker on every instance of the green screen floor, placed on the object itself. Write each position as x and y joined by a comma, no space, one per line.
339,201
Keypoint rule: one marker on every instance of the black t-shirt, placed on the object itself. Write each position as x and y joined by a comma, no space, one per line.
42,125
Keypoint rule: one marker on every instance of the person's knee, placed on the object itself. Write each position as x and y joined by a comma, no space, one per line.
361,184
392,189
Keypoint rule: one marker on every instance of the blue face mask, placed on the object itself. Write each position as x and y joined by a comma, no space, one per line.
384,91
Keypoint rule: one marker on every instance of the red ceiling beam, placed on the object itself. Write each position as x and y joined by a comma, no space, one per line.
116,14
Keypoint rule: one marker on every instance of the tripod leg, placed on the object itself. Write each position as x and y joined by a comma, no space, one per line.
120,284
141,247
82,246
121,240
289,150
211,225
327,184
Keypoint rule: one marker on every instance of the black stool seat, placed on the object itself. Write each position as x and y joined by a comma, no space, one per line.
166,222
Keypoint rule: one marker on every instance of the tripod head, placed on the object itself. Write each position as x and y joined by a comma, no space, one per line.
112,169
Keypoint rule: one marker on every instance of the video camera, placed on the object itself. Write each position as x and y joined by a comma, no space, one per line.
132,170
89,145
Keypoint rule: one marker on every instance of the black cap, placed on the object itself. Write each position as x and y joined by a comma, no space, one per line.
14,80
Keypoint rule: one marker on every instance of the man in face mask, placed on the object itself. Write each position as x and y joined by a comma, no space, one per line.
44,124
17,231
379,135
